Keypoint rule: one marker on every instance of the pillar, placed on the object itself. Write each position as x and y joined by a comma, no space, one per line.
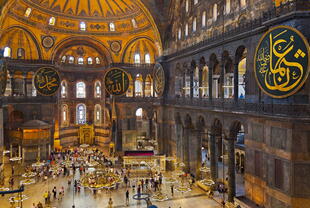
25,84
11,150
210,81
23,155
12,84
143,88
231,170
192,82
200,81
236,81
19,151
213,157
49,149
221,87
39,153
134,87
186,139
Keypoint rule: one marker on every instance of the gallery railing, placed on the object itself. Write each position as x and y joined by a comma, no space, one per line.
28,100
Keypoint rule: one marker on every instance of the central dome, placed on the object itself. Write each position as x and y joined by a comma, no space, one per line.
81,9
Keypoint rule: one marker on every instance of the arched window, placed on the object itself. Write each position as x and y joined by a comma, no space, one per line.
81,114
204,19
216,89
134,23
63,59
65,115
89,60
7,52
215,12
83,26
186,5
148,92
196,82
195,24
241,78
228,81
97,114
20,53
80,90
139,114
186,30
242,3
28,12
80,61
227,7
147,58
112,26
137,58
97,89
52,21
180,34
97,60
64,89
71,60
205,82
139,86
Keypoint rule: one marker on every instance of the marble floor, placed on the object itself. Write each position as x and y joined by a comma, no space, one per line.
86,199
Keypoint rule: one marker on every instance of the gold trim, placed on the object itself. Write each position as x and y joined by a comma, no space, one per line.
308,69
122,71
35,76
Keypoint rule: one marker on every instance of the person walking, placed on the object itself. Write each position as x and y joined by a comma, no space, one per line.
34,205
127,198
54,192
45,196
171,187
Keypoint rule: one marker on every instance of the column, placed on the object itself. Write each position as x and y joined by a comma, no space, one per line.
236,81
192,82
221,87
210,81
49,150
12,84
200,81
143,88
213,157
186,149
134,87
23,160
25,84
11,151
231,170
39,153
19,151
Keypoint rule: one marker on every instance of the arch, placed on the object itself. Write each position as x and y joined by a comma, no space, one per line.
81,113
80,89
97,89
148,91
139,86
65,115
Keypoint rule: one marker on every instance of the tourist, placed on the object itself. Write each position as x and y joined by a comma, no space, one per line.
54,192
171,187
34,205
40,205
127,198
139,191
45,196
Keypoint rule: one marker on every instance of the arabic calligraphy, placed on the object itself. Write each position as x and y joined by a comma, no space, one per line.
282,61
47,81
116,81
159,79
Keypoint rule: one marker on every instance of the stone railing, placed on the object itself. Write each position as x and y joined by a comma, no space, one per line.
29,100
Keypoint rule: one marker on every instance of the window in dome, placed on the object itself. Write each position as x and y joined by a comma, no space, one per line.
80,90
52,21
180,34
7,52
186,30
147,58
83,26
71,60
89,60
187,5
112,26
20,53
80,61
63,59
195,24
97,60
28,12
134,23
81,114
204,18
137,58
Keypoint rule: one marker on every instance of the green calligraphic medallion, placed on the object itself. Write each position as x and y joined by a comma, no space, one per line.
281,61
46,81
159,79
116,81
3,77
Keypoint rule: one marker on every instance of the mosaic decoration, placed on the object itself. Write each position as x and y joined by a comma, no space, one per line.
3,77
281,62
46,81
47,42
116,46
116,81
159,79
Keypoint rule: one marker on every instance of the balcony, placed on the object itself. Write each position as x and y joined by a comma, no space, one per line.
29,100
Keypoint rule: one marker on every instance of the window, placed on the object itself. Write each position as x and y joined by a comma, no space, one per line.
139,113
81,114
20,53
80,90
65,115
63,59
97,89
97,60
80,61
63,89
134,23
7,52
179,34
71,60
137,58
97,114
227,7
186,30
147,58
139,86
89,61
195,2
52,21
28,12
112,26
242,3
195,24
187,5
215,12
204,18
83,26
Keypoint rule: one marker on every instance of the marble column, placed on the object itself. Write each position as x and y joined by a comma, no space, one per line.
231,170
210,81
236,82
192,83
25,84
213,157
11,151
39,153
186,148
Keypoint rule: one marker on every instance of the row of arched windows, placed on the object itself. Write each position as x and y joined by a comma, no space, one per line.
80,89
147,58
80,60
7,52
81,114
